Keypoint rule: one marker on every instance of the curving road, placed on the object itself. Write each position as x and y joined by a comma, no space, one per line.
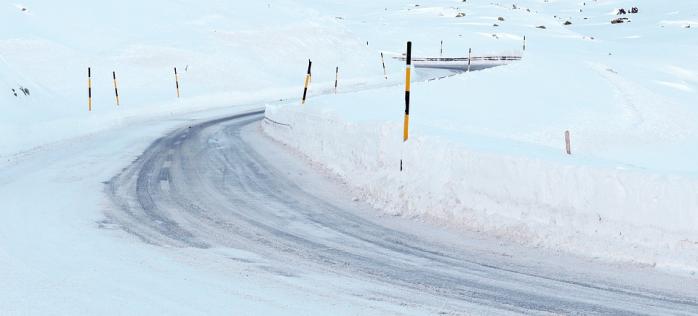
221,184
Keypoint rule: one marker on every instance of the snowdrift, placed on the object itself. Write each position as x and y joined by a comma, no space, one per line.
604,212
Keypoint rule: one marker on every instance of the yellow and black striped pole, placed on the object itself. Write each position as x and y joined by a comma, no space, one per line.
336,79
408,66
116,88
89,89
385,74
176,81
307,81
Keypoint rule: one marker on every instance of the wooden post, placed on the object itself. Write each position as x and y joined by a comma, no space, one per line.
176,81
307,81
336,79
568,146
116,88
89,89
385,74
408,66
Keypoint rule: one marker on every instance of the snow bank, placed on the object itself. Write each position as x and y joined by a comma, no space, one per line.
608,212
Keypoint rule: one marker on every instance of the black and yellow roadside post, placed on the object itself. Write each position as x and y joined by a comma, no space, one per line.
176,81
408,66
307,81
385,73
336,79
116,88
89,89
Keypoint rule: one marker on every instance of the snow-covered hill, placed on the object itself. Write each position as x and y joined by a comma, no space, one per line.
244,52
487,149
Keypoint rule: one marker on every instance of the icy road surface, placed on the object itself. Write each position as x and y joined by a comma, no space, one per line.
221,184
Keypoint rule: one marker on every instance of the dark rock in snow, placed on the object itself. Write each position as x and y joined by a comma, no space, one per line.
619,20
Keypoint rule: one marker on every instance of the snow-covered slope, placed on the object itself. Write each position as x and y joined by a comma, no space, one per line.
226,53
487,148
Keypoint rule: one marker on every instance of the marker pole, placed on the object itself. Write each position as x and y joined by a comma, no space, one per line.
307,81
524,43
89,89
176,81
408,66
336,79
385,73
568,145
441,53
116,88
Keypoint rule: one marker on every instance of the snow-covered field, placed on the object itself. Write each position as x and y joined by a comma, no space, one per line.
487,148
486,177
243,52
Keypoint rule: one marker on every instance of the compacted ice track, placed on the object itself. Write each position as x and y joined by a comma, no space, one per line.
210,185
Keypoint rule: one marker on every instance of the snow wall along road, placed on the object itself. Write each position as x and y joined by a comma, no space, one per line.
606,212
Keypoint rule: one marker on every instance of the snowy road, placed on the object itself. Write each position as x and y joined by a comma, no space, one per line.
222,184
